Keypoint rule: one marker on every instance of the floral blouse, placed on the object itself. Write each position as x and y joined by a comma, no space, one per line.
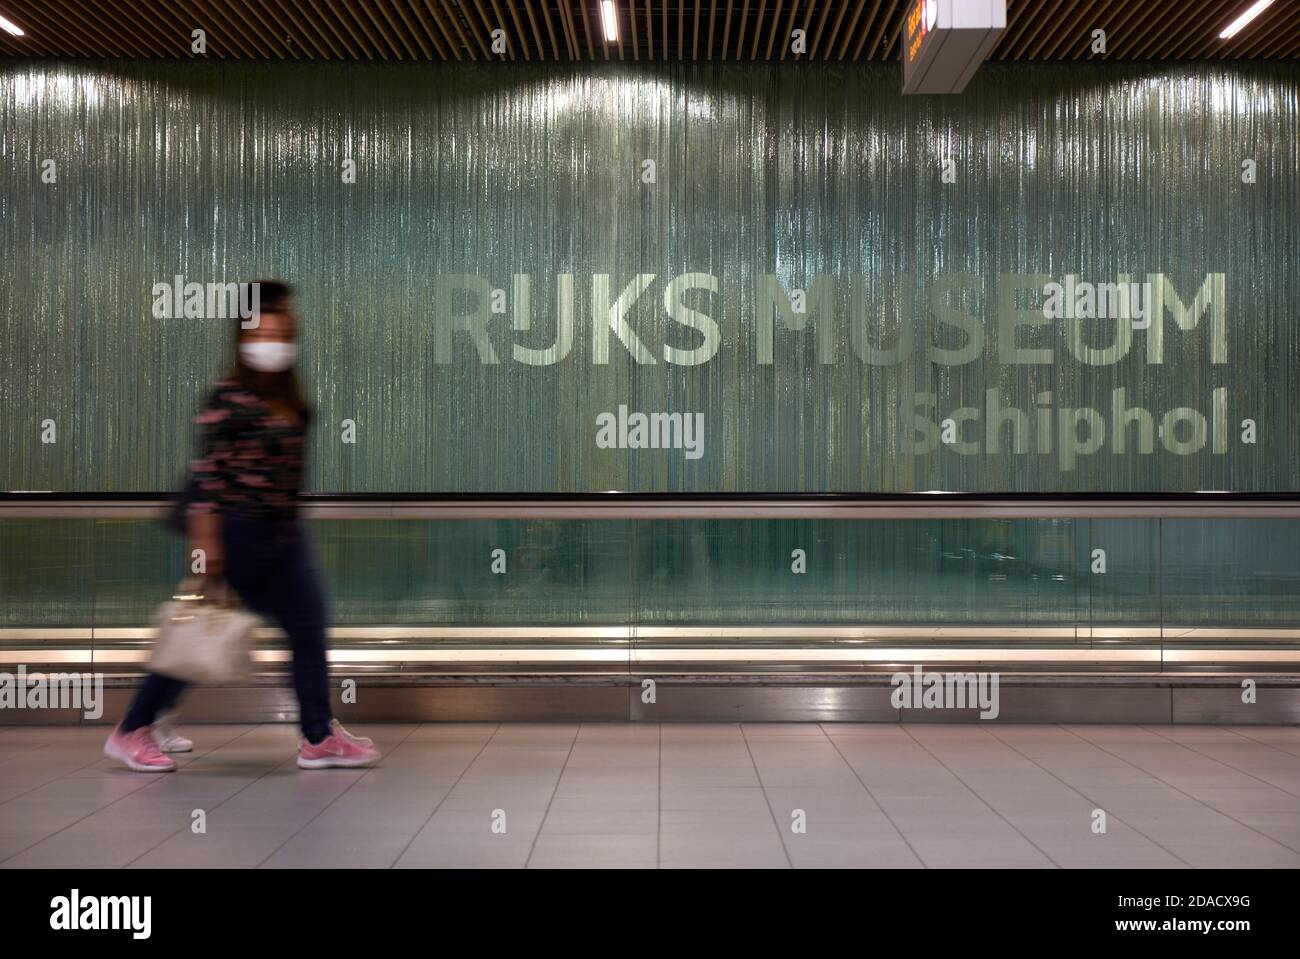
250,459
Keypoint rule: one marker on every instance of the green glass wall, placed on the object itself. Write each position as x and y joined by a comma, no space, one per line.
1228,582
924,278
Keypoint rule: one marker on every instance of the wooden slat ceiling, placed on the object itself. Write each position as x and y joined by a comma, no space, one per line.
550,30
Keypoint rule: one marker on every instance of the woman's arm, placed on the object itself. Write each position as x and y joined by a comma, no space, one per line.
205,533
212,473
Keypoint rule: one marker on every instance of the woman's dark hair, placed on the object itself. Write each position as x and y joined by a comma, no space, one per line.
273,296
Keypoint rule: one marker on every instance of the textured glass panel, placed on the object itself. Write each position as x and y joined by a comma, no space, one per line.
891,572
1121,604
1231,583
47,572
137,565
1172,583
441,573
222,172
116,572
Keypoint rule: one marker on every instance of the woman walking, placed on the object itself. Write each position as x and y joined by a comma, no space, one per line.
244,516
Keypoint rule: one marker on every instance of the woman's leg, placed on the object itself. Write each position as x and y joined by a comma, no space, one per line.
305,621
275,575
155,696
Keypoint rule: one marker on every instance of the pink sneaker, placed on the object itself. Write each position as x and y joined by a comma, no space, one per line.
339,730
335,749
138,751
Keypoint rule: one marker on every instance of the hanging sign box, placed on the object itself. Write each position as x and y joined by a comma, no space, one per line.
945,41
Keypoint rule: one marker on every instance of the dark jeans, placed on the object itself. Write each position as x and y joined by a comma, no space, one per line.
269,564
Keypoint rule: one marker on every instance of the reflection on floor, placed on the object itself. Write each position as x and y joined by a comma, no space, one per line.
641,795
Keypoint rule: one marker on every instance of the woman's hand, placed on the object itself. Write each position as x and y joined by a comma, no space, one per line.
205,534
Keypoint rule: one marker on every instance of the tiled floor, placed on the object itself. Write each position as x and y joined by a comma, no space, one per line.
643,795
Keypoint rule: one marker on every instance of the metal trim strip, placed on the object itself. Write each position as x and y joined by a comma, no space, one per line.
620,506
633,634
637,657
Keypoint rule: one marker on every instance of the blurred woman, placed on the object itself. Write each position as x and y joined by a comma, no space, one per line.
244,516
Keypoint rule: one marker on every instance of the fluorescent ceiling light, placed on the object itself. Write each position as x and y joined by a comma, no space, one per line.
1235,27
610,20
9,27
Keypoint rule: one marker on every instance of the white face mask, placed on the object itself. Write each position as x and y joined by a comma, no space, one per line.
269,357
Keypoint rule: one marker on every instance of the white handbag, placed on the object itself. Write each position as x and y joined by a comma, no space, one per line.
203,635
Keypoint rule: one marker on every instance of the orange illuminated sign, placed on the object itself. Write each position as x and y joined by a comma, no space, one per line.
945,41
920,21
